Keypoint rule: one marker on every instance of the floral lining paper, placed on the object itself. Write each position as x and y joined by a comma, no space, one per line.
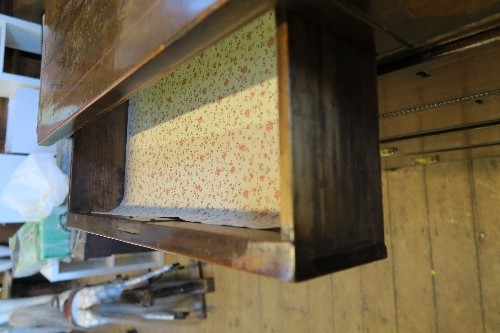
203,142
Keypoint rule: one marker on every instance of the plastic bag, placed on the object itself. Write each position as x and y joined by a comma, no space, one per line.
36,187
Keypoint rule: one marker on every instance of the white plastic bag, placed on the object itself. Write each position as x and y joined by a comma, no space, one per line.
36,187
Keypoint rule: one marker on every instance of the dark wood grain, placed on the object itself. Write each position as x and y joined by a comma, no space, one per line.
98,246
6,7
346,19
22,63
98,164
8,230
4,102
29,10
329,139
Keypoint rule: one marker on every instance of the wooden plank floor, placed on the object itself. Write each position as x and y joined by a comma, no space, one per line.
442,274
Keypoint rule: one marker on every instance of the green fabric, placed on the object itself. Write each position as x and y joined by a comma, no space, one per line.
35,242
54,241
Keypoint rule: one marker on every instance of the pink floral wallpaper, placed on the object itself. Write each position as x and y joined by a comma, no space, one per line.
203,142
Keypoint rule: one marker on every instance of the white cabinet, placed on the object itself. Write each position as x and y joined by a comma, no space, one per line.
20,35
22,118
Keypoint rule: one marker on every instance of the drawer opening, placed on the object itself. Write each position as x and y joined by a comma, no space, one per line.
203,142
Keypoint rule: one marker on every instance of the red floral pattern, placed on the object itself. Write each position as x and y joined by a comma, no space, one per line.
203,142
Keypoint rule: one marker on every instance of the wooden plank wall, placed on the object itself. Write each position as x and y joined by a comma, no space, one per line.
442,273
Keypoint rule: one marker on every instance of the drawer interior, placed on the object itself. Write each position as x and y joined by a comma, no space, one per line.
203,142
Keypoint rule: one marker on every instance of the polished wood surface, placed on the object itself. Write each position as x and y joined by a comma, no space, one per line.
107,51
